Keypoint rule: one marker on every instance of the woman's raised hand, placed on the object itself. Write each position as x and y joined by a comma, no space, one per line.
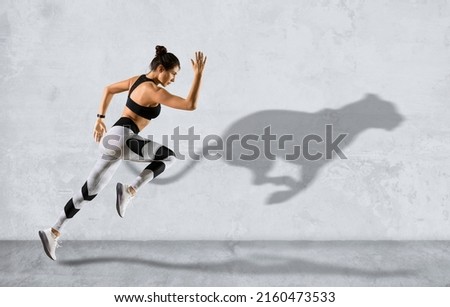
199,64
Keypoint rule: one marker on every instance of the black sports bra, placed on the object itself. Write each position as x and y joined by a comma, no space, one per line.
146,112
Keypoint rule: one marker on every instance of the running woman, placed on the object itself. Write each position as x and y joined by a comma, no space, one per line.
146,94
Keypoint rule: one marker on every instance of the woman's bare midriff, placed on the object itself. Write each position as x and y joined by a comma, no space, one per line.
140,121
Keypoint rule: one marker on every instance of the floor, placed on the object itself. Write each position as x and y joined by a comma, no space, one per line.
222,263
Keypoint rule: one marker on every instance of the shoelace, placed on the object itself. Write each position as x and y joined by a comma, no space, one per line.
130,196
57,242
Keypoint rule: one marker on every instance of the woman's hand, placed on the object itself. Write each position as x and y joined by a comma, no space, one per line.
199,64
99,129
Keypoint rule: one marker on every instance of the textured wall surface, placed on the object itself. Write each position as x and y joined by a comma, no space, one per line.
376,70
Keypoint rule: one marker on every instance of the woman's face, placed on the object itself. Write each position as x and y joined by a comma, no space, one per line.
167,76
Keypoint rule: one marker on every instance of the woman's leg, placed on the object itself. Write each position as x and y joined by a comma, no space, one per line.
97,180
138,149
111,154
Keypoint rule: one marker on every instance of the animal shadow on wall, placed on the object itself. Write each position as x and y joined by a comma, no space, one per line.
307,141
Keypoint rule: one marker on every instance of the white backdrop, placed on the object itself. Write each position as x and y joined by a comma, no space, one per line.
304,57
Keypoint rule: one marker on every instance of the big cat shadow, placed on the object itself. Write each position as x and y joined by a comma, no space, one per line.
302,139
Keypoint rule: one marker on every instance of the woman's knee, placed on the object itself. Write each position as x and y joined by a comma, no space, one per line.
164,153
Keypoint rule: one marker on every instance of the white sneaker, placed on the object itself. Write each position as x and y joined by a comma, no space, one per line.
123,198
50,242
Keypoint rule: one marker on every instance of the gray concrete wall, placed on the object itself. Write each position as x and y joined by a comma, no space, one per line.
377,70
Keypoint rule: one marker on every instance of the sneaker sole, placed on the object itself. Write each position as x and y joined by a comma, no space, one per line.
45,243
118,197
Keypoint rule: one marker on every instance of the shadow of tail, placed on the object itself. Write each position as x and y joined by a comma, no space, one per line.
187,166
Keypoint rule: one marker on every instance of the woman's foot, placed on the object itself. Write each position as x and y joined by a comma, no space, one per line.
124,194
49,238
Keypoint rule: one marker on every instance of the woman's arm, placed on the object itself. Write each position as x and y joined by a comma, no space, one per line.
190,102
108,93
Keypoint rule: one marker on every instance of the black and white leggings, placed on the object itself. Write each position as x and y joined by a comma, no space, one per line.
120,143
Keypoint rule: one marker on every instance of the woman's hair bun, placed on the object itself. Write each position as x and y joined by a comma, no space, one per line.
166,59
160,50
